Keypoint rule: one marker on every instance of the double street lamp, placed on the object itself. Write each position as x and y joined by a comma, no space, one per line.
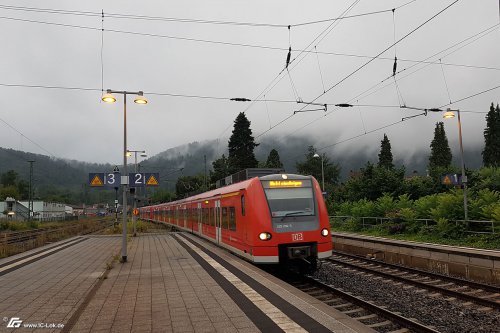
447,115
322,172
139,99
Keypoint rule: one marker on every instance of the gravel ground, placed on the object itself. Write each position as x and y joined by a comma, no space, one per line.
445,316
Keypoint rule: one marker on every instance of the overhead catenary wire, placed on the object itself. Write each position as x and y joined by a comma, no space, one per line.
246,45
279,76
445,83
27,138
183,20
319,67
102,51
467,41
364,94
371,60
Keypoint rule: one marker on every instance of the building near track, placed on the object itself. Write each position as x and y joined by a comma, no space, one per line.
42,210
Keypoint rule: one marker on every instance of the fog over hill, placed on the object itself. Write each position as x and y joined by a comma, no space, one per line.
190,160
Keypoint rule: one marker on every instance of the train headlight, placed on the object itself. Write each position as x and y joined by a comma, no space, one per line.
264,236
324,232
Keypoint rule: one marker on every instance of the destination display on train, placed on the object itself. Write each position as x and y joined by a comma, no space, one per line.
287,183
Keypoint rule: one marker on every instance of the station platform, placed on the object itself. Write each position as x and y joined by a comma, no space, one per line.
172,282
469,263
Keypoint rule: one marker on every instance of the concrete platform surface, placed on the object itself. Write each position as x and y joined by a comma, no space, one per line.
172,282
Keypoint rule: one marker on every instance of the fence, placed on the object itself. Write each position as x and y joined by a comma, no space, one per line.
472,226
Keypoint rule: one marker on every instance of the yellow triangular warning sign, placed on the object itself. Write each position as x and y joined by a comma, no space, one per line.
152,181
447,180
96,181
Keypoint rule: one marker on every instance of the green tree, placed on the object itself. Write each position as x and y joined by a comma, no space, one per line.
374,182
241,145
491,152
9,191
188,184
23,188
273,160
221,169
312,166
9,178
161,195
385,155
440,150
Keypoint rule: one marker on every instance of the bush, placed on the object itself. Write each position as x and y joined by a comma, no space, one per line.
363,207
12,226
449,206
352,224
395,228
424,205
482,204
385,204
449,230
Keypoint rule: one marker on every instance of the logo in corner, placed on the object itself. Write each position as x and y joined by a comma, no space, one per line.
14,322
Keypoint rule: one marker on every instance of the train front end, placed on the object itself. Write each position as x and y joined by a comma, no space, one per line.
297,220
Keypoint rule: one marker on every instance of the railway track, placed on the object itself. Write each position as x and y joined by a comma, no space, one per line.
469,292
377,317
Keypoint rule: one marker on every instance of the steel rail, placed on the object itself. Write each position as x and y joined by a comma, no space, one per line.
393,317
478,285
478,300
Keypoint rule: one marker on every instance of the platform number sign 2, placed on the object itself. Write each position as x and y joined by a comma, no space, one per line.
144,179
137,179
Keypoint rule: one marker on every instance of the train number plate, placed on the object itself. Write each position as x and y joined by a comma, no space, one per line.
298,237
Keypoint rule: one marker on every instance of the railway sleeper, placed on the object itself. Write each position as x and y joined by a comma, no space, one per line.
356,310
381,324
370,316
340,306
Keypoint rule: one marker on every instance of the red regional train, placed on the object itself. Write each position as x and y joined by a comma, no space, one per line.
273,219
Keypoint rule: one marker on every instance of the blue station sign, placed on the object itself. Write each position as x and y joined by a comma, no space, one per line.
144,179
102,179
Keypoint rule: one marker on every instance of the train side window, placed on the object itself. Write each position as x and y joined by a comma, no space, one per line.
243,205
205,216
224,218
211,217
232,218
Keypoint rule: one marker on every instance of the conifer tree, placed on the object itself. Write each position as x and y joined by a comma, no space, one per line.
221,169
273,160
312,166
491,152
241,146
385,155
440,150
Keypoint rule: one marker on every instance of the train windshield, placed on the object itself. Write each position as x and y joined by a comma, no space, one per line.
290,201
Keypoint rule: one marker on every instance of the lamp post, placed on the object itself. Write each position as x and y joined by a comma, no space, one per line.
116,172
322,172
109,98
447,115
143,154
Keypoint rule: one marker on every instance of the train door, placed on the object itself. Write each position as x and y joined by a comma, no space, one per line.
218,232
199,217
185,216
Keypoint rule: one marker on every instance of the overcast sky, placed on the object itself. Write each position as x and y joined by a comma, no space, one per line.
55,47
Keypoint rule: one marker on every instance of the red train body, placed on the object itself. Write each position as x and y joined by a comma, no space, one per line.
272,219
